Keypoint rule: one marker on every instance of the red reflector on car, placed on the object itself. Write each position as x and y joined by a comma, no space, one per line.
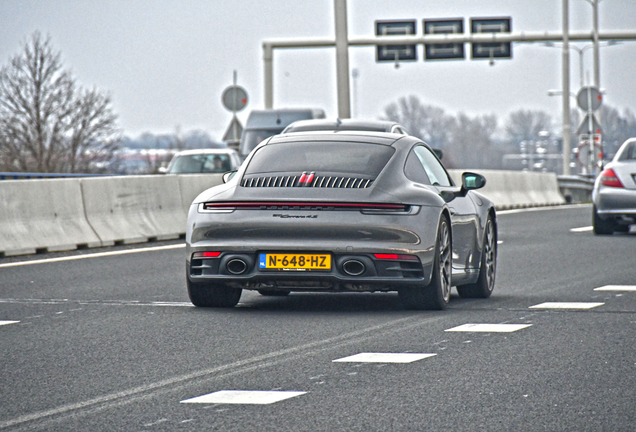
206,255
306,178
396,257
609,178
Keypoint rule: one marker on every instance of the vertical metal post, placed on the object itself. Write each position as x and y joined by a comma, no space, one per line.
581,66
234,119
342,59
566,91
354,108
268,66
597,59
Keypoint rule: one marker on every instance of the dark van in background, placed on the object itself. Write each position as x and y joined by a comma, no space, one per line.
263,124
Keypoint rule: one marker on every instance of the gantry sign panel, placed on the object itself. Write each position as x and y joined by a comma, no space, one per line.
394,53
444,51
491,25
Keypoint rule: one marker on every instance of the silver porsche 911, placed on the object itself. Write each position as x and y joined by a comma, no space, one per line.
342,211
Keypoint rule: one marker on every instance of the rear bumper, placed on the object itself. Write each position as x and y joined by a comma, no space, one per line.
374,274
345,235
615,202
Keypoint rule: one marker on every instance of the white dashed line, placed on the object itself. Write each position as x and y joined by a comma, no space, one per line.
582,229
541,209
489,328
95,302
8,322
253,397
95,255
616,288
566,305
384,358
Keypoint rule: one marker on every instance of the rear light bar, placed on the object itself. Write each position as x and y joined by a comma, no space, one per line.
610,179
206,254
304,206
396,257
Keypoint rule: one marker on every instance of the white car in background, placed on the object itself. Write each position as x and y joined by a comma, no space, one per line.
204,161
614,194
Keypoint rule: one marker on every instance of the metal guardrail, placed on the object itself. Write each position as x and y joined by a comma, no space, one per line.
28,176
576,189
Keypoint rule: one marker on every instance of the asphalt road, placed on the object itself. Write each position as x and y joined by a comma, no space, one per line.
111,342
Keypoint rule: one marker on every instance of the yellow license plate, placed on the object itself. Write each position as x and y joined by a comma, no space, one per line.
298,262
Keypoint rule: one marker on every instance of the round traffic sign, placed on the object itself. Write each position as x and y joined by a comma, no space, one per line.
234,98
589,99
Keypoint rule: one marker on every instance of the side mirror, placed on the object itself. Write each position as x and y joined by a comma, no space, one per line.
439,153
228,176
472,181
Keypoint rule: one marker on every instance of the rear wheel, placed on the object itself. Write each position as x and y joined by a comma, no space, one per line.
602,227
209,294
486,282
273,293
436,295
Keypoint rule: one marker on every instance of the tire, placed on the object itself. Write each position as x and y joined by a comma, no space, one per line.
621,228
273,293
486,282
435,295
602,227
209,294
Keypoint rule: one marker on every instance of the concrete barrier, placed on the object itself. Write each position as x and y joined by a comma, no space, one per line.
191,185
517,189
43,215
134,209
64,214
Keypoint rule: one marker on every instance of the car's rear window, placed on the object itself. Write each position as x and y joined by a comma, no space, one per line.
337,157
629,153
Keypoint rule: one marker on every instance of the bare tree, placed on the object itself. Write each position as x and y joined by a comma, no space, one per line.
409,112
525,125
616,127
472,143
426,121
48,123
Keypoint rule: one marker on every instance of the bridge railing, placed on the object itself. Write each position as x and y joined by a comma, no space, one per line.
34,175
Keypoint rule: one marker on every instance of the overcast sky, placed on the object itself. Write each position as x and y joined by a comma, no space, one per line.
166,63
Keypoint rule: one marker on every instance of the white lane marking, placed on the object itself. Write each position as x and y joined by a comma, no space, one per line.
384,358
488,328
582,229
94,255
8,322
566,305
96,302
545,208
148,391
616,288
244,397
163,420
500,242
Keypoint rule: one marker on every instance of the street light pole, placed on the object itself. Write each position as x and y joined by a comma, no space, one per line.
342,59
597,55
578,50
567,144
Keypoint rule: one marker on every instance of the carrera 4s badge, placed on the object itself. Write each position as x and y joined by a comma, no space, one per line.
288,216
